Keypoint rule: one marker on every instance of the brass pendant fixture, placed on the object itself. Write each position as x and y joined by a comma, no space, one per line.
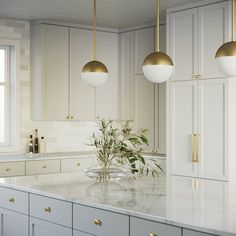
226,54
158,66
95,73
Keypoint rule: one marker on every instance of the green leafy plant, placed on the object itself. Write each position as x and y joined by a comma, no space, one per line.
121,147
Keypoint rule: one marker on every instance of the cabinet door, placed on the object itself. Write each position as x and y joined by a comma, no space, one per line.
54,72
213,24
182,43
107,95
44,228
126,76
13,224
81,46
212,129
143,45
183,123
144,107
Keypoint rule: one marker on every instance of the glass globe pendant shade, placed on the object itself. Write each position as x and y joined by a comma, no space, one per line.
95,73
226,58
158,67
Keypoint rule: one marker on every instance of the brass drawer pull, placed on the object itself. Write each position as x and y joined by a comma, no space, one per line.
97,222
152,234
12,200
48,209
78,164
7,169
44,167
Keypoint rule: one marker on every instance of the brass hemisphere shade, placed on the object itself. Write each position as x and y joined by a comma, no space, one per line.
157,58
227,49
95,66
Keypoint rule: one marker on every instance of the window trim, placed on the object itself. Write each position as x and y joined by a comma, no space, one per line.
13,96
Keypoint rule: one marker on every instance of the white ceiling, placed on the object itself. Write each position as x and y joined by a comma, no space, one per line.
110,13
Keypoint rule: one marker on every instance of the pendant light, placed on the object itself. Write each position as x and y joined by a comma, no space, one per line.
226,54
158,66
95,73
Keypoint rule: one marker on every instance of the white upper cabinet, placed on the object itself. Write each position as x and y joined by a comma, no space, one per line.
107,94
144,44
194,35
49,70
81,52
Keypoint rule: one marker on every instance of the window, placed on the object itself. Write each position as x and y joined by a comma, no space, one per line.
4,95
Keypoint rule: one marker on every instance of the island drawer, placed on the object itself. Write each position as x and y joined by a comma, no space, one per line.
42,167
12,168
99,222
75,164
14,200
140,227
50,209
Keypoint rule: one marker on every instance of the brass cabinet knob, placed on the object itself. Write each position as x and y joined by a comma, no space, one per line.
44,167
78,164
12,200
67,117
198,76
194,77
152,234
7,169
72,117
97,222
47,209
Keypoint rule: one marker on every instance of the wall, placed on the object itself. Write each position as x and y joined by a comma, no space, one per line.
59,136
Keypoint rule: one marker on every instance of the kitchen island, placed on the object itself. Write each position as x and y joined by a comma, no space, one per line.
72,204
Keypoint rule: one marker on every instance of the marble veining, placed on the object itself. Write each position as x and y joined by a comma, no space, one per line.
203,205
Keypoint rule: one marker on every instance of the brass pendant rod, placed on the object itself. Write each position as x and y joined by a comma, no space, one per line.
95,31
158,27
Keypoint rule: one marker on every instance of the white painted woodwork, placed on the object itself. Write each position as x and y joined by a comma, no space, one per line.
81,47
213,31
13,224
61,211
183,123
79,233
143,45
14,200
75,164
42,167
107,94
144,107
182,36
43,228
212,128
54,61
187,232
12,169
140,227
111,223
126,76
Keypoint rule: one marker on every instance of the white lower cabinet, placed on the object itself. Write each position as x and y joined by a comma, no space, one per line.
13,224
187,232
44,228
141,227
79,233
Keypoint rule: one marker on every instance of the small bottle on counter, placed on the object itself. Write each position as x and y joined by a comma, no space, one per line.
36,142
42,145
31,145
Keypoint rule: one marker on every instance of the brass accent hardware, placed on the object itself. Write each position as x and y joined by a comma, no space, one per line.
193,147
193,76
12,200
152,234
67,117
48,209
44,167
197,146
72,117
7,169
97,222
198,76
78,164
195,184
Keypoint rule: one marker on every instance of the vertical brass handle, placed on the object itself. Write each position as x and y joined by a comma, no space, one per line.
197,147
97,222
12,200
193,147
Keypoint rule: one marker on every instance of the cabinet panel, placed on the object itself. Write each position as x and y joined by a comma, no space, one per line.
183,123
126,76
183,43
13,224
143,45
12,168
81,46
107,95
44,228
211,37
212,129
42,167
140,227
54,72
144,107
75,164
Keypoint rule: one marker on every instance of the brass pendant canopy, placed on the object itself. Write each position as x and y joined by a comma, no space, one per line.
157,58
95,66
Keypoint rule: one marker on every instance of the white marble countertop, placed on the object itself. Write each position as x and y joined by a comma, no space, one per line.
47,156
202,205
